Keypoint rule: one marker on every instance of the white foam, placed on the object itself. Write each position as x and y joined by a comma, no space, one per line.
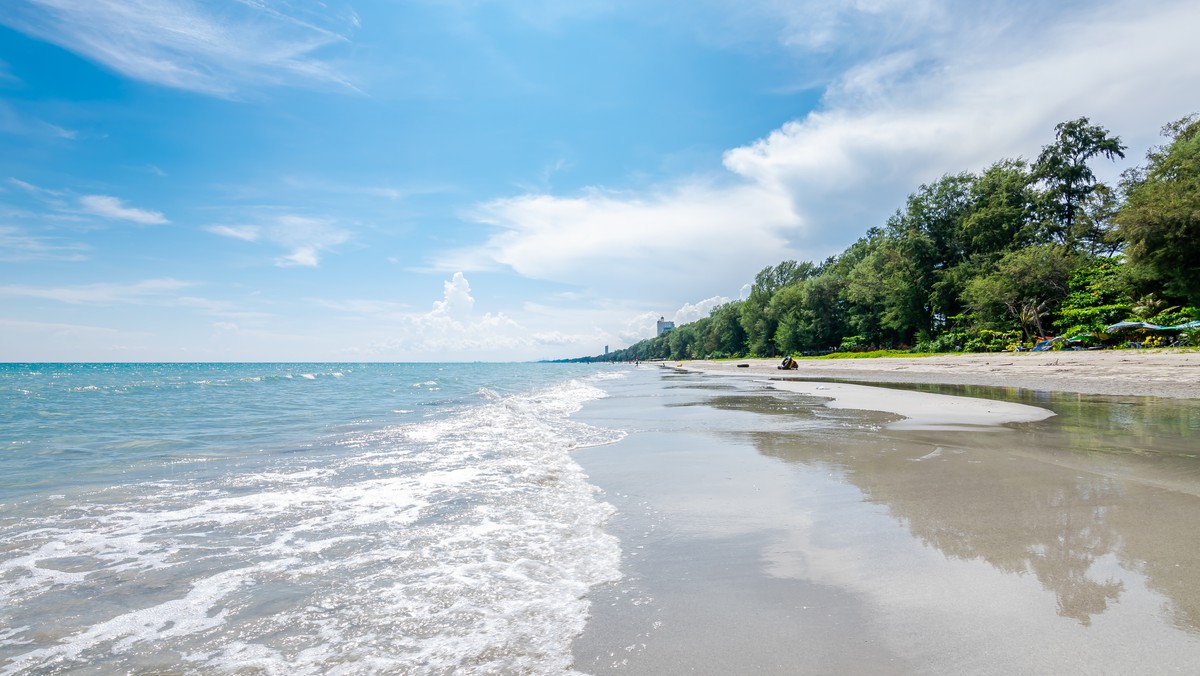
464,544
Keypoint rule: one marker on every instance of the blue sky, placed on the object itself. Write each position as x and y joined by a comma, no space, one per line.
523,179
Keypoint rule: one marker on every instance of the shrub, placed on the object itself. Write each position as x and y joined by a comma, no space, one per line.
854,343
986,340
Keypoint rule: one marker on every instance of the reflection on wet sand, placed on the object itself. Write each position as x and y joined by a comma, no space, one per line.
1104,481
764,532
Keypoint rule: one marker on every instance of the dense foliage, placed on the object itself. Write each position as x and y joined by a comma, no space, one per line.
987,261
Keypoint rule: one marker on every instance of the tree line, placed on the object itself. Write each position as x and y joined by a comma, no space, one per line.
985,261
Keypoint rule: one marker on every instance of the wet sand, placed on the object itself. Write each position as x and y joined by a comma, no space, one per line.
765,532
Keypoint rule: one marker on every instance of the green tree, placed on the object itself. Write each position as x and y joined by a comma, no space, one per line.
1096,226
891,286
1004,205
725,336
1026,286
757,319
1160,220
1062,168
1098,294
682,340
823,317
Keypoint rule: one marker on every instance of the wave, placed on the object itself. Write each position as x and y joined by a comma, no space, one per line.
465,543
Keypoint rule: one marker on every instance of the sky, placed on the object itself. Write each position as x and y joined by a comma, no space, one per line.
461,180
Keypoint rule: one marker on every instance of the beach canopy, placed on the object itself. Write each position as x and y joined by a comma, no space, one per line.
1129,326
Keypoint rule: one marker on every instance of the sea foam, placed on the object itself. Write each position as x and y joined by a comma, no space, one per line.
463,543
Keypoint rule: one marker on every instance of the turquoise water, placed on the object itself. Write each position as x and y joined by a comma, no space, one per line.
301,518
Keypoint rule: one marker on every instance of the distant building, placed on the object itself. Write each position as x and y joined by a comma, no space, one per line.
664,325
605,349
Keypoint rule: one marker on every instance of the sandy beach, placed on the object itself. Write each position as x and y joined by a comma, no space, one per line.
1044,524
1153,373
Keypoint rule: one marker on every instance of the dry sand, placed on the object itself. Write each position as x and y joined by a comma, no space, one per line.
1155,373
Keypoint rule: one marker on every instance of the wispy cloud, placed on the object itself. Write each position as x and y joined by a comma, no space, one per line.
14,120
247,233
34,189
97,294
112,208
304,238
204,47
18,246
310,185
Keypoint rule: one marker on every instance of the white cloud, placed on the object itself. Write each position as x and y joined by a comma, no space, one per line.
16,324
456,302
906,118
645,324
304,256
453,329
109,207
247,233
956,94
212,49
823,25
32,189
660,244
19,246
303,237
306,237
690,312
97,294
639,327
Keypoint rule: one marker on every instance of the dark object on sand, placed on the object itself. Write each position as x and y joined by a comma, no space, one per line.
788,363
743,366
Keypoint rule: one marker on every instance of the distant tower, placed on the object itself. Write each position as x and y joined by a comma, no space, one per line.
664,325
605,349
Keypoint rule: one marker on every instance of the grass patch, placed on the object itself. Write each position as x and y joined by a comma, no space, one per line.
873,354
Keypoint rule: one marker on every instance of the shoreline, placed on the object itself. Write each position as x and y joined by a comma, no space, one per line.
1138,373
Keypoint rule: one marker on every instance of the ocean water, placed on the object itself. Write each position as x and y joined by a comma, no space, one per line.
297,518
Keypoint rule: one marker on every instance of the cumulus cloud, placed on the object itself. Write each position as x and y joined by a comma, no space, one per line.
456,302
655,244
639,327
112,208
954,93
645,324
453,328
970,99
194,46
690,312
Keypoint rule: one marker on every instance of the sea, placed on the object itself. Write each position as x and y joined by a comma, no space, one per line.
298,518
